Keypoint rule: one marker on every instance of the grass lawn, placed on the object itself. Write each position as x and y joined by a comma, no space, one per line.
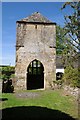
53,104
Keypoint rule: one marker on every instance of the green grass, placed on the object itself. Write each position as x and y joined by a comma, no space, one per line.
52,99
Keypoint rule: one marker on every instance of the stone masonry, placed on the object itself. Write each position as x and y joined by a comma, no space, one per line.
36,39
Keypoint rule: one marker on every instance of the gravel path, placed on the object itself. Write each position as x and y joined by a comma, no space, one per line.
27,95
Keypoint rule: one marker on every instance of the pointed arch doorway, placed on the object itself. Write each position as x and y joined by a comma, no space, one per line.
35,75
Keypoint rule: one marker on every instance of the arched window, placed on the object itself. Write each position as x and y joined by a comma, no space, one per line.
35,67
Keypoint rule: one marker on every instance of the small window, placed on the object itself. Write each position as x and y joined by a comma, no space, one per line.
19,25
35,26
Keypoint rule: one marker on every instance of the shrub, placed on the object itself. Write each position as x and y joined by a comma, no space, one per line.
7,86
71,77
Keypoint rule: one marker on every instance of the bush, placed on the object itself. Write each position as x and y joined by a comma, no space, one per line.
71,77
7,74
7,86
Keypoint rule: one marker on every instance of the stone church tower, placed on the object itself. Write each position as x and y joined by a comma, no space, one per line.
35,53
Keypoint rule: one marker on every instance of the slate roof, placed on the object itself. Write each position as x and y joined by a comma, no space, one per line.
35,18
59,63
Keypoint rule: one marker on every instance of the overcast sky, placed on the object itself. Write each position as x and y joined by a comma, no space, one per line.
13,11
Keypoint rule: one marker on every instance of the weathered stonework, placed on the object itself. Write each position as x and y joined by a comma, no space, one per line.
35,40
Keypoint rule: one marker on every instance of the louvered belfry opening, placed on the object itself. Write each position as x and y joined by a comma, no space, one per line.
35,75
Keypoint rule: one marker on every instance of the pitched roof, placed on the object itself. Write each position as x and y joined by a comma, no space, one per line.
35,17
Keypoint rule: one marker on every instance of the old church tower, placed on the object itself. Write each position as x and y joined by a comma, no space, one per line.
35,53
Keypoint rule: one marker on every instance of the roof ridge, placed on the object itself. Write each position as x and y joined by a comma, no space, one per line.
36,17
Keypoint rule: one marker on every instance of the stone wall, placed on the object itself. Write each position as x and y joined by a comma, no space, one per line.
72,90
35,41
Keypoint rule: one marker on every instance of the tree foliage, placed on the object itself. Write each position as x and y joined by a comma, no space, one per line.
60,40
6,72
64,48
72,51
72,24
68,38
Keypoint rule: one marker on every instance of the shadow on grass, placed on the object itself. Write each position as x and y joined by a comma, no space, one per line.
3,99
33,113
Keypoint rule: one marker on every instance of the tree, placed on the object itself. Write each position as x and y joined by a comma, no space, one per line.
72,26
60,39
73,29
72,23
64,48
7,71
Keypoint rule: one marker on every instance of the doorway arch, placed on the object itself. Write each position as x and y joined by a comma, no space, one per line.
35,75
